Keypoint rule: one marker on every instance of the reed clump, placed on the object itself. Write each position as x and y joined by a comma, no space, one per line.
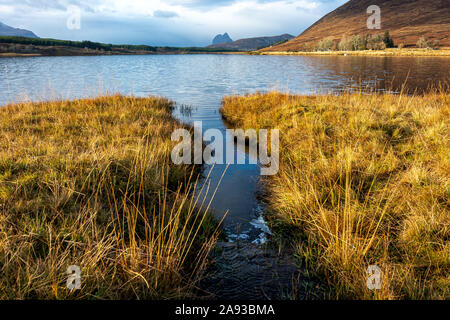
90,183
364,180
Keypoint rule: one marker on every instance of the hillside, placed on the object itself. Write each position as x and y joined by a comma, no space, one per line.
6,30
406,20
250,44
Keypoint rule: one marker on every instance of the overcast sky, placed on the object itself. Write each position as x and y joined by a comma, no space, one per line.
164,22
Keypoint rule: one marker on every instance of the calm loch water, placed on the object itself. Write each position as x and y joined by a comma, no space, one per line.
201,81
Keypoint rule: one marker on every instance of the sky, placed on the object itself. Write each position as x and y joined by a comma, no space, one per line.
163,22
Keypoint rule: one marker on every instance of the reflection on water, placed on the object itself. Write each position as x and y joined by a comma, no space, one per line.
199,82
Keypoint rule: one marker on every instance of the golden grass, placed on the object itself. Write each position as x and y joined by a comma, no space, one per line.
364,180
416,52
90,183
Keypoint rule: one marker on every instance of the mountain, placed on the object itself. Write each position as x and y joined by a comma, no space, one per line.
10,31
251,44
406,20
222,38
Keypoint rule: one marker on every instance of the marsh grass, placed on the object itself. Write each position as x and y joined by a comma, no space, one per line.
90,183
364,180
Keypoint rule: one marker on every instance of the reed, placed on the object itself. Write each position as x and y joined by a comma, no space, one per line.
90,183
364,180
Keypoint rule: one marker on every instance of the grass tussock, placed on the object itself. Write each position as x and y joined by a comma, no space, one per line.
364,180
90,183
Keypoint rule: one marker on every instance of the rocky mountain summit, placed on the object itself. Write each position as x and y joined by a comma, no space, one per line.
222,38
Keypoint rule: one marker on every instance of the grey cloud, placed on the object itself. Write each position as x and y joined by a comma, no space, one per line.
202,4
205,5
164,14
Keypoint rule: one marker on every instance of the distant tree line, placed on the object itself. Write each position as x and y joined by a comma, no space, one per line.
76,44
101,46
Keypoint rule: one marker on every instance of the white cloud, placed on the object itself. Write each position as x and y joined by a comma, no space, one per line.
6,10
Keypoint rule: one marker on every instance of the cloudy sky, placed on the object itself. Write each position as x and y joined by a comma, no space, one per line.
163,22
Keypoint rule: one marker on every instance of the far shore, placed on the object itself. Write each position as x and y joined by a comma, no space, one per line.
442,52
23,47
115,53
19,50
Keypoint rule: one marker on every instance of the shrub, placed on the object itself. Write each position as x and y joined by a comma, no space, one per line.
307,47
375,42
436,44
424,43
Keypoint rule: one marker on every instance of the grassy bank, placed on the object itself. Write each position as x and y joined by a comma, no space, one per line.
443,52
90,183
364,180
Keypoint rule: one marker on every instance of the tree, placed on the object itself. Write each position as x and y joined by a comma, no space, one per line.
376,42
388,41
325,45
358,43
344,44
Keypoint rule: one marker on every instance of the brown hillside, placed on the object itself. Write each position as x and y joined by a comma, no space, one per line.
406,20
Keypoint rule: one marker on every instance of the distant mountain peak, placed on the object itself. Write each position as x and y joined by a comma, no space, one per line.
222,38
6,30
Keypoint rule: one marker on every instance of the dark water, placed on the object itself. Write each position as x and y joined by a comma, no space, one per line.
201,81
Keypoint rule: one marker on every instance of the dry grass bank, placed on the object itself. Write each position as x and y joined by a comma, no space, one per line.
443,52
364,180
90,183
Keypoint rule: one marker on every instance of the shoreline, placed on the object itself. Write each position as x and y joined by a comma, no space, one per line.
28,55
61,51
14,55
444,52
430,53
25,49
